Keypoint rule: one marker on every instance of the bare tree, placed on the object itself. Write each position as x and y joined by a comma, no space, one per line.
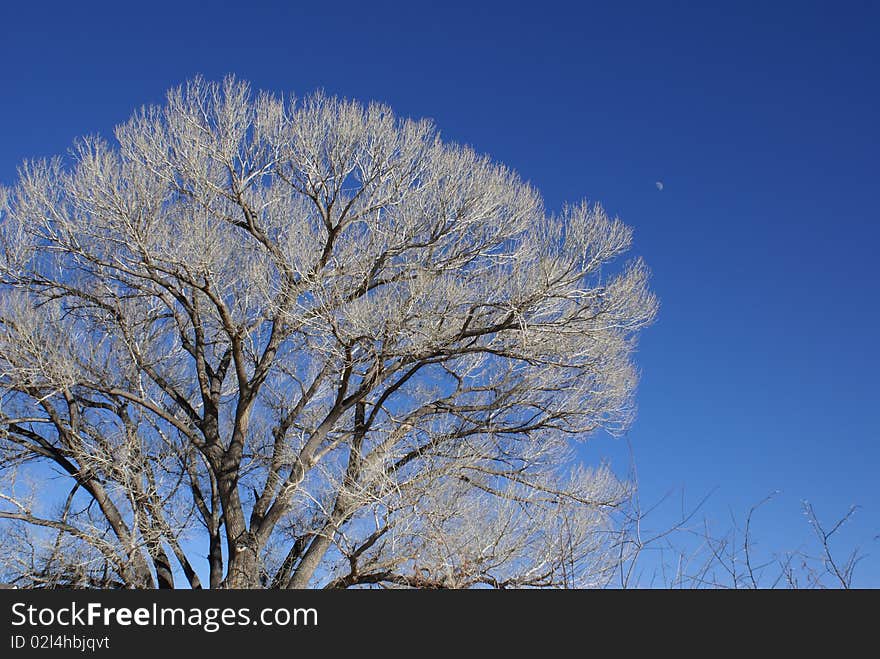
690,553
312,342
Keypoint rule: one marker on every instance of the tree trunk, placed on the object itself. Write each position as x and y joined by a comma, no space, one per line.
215,559
244,566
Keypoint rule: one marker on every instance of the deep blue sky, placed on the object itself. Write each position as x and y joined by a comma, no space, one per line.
761,120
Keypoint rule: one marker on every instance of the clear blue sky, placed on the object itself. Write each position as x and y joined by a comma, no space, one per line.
762,121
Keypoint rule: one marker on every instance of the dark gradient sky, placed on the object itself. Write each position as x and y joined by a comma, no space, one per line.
760,119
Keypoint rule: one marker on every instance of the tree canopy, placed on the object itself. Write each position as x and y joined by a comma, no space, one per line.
313,342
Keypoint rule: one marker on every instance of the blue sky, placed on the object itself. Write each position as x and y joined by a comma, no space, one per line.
761,120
